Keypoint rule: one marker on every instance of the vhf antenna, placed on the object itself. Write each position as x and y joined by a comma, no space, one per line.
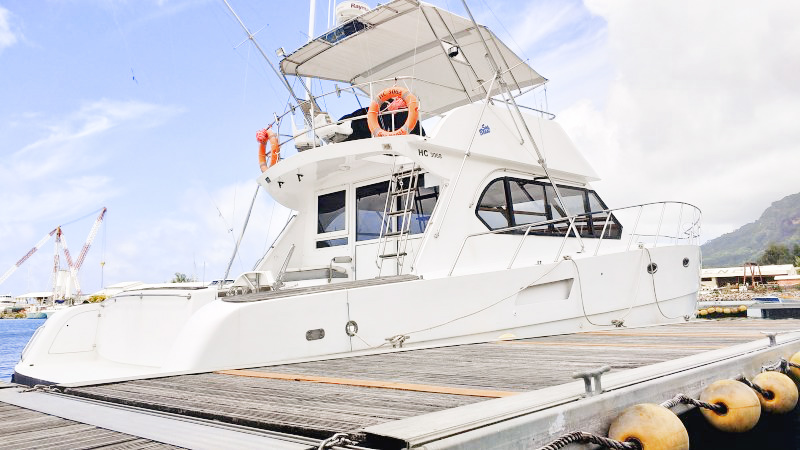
279,74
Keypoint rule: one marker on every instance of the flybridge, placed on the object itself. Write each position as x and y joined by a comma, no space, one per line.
444,52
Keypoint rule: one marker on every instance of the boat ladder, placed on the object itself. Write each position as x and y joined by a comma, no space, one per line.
397,215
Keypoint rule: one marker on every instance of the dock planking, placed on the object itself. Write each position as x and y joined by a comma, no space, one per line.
318,409
26,429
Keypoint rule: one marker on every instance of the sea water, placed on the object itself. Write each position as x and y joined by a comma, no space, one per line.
772,432
14,334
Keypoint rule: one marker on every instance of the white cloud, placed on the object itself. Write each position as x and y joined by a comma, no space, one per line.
65,171
561,40
198,237
8,36
542,21
702,108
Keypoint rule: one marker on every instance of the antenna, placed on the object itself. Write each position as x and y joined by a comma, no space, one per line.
312,11
280,75
238,242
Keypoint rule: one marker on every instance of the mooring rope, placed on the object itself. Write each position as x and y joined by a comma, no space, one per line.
615,322
588,438
407,335
582,437
655,293
340,439
764,393
44,388
686,400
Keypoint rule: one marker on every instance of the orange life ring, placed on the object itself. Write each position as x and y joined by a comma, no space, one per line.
375,106
274,148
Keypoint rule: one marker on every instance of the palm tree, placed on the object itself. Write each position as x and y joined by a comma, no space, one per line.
181,278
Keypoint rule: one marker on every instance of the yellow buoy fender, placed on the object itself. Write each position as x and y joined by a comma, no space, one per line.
742,308
782,389
653,426
703,312
726,310
793,370
742,406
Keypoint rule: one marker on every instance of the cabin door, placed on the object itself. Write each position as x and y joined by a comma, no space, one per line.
366,263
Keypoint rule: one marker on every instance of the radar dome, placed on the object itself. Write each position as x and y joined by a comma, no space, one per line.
346,11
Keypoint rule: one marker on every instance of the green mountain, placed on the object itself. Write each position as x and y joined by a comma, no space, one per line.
779,224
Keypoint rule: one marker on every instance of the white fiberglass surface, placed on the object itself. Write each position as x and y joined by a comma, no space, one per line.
444,81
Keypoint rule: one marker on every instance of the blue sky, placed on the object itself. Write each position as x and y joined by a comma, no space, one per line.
146,107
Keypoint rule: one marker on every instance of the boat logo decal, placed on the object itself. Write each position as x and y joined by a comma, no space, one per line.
484,129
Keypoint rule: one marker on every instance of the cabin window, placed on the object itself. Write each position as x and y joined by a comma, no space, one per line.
599,218
331,212
331,242
349,28
528,203
371,203
424,202
509,202
575,202
493,206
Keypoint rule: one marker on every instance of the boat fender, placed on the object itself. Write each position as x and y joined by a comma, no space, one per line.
653,426
384,95
742,308
742,408
703,312
782,390
726,310
274,148
795,359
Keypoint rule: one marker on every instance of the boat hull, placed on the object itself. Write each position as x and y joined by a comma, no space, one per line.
146,334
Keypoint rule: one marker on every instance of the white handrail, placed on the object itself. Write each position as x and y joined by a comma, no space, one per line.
692,234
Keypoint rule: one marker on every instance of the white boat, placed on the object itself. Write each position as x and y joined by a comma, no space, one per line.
36,312
49,310
7,304
485,228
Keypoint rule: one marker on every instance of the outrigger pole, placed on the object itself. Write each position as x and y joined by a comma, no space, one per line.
506,90
278,73
239,241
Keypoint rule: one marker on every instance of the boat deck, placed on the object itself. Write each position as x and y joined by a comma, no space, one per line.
316,399
294,292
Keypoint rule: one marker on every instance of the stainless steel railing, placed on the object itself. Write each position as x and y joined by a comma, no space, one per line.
356,90
686,232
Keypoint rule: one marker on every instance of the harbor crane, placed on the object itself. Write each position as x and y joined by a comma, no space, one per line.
74,266
28,255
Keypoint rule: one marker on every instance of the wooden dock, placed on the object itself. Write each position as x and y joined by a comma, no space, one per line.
459,395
